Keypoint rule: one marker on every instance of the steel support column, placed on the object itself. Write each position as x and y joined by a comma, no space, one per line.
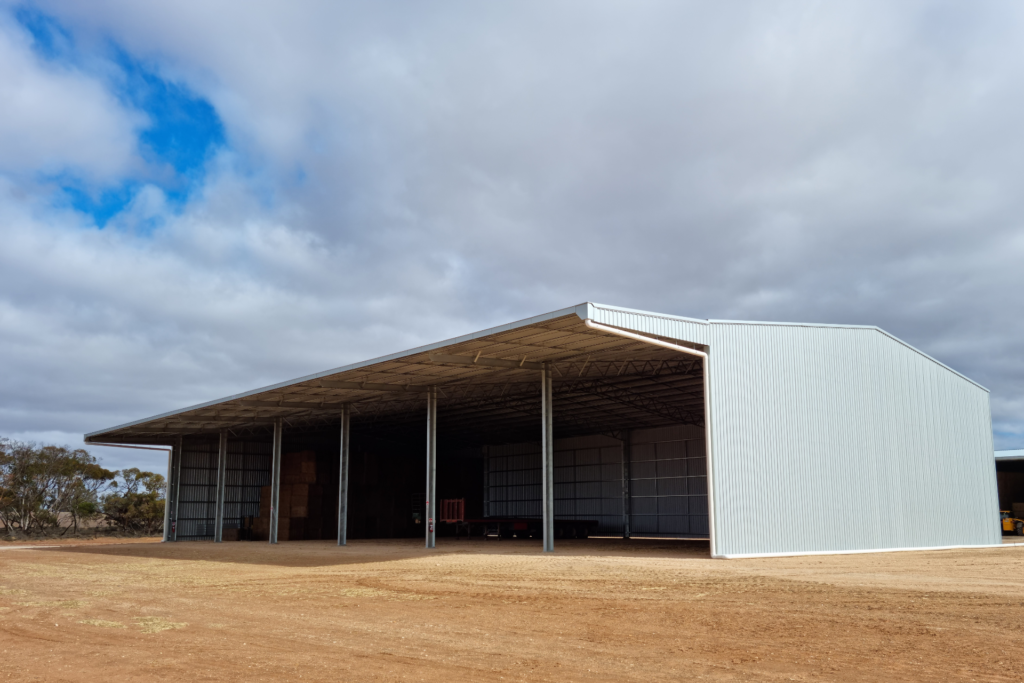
429,504
547,460
179,456
627,476
275,480
222,471
487,481
168,494
343,478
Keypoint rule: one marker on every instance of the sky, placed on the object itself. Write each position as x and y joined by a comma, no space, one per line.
201,198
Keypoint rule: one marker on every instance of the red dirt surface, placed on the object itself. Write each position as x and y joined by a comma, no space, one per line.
501,611
8,543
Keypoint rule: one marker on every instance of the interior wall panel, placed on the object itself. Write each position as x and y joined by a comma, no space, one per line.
668,482
198,490
588,481
247,470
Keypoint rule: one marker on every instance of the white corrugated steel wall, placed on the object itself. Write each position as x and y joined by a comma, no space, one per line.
841,439
834,439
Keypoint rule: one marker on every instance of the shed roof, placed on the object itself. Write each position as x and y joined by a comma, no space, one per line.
599,379
602,383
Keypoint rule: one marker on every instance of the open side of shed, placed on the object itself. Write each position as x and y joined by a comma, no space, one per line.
623,444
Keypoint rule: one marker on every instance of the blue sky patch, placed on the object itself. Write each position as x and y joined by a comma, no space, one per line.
185,128
183,134
104,206
49,39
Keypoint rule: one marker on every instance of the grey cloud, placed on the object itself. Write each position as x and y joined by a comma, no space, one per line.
399,174
57,118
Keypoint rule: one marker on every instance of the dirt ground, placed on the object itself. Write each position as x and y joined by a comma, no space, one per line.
501,611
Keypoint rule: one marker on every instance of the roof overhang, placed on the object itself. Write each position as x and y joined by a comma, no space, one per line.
488,385
1010,455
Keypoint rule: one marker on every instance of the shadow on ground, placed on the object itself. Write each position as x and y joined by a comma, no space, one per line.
327,553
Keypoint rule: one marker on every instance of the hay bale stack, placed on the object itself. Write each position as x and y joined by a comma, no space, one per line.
300,510
299,468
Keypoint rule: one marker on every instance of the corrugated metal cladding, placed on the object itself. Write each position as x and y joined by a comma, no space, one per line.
843,439
683,329
247,470
588,481
668,482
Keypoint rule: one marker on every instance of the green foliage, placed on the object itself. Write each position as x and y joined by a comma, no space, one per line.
138,503
55,488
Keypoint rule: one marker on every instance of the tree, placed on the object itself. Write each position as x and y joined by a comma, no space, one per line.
83,497
74,484
8,489
28,476
138,502
40,486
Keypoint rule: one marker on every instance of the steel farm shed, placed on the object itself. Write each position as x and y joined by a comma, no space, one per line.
1010,480
766,438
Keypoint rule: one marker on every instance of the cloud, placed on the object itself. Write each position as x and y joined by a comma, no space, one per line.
57,118
391,175
92,124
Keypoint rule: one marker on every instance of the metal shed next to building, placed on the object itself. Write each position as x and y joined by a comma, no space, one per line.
766,438
1010,480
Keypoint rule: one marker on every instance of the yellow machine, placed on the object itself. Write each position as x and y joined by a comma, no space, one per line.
1011,523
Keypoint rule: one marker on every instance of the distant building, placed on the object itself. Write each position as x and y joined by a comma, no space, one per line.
1010,478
